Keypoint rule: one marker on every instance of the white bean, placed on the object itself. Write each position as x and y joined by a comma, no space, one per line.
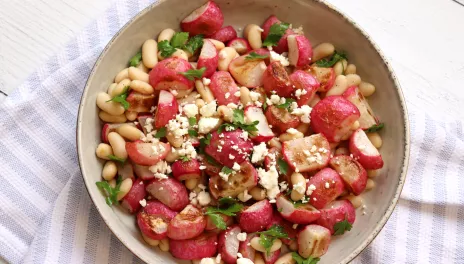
298,179
109,170
370,184
166,34
138,74
350,69
314,101
323,50
372,173
245,97
225,113
141,87
118,144
142,67
340,86
276,245
124,74
340,67
104,116
182,93
131,115
164,244
172,156
258,193
188,99
199,103
290,136
226,55
353,80
173,140
111,108
122,87
303,128
286,259
357,201
151,242
219,45
375,139
275,143
130,132
124,188
366,89
355,125
191,183
204,91
258,259
180,54
111,89
103,151
253,34
149,53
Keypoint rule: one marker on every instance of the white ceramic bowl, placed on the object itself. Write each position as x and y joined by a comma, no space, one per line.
322,23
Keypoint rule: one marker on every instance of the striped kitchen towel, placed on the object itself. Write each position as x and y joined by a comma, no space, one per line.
46,215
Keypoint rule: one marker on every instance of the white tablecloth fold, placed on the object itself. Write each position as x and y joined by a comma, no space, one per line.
46,215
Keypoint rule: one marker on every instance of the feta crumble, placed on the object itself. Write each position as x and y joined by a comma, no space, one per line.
206,124
259,153
209,109
190,110
279,57
242,236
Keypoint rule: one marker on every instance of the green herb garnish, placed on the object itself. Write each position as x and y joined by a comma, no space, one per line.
375,128
192,133
266,238
192,121
192,74
287,104
226,170
300,260
341,227
238,121
166,49
114,158
226,200
255,56
160,133
214,214
134,61
203,143
179,39
327,63
283,166
194,43
121,98
111,193
184,158
276,32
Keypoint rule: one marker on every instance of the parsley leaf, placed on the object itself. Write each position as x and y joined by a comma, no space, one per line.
194,43
121,98
226,200
375,128
160,133
166,49
179,39
192,74
192,121
266,238
215,213
300,260
255,56
134,61
192,133
218,221
287,104
114,158
227,170
283,166
203,142
111,193
276,32
327,63
238,121
341,227
184,158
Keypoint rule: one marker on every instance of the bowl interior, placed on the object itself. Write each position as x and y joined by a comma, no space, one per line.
321,24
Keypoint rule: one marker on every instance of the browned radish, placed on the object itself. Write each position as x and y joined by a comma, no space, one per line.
364,151
276,80
296,213
313,241
166,110
245,179
272,257
245,248
256,217
306,86
187,224
352,173
327,186
206,20
299,50
367,117
165,75
228,244
169,191
202,246
143,172
280,119
153,220
143,120
140,102
147,154
210,226
262,52
208,58
333,116
240,45
335,212
277,219
126,170
282,45
228,143
264,133
223,87
107,128
132,199
307,154
325,76
184,170
248,73
224,34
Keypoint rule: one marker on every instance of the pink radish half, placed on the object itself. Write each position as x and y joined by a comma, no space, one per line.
153,220
166,110
264,133
142,153
228,244
206,20
187,224
224,87
170,192
208,58
202,246
364,151
256,217
248,73
352,173
299,50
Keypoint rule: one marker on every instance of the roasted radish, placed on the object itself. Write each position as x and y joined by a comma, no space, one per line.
256,217
300,213
299,50
264,133
147,154
166,110
223,88
143,172
248,73
140,102
325,76
352,173
228,244
364,151
306,86
206,20
210,226
202,246
367,117
313,241
187,224
170,192
276,80
237,182
282,45
307,154
208,58
132,199
240,45
335,212
324,187
184,170
224,34
153,220
228,143
166,75
280,119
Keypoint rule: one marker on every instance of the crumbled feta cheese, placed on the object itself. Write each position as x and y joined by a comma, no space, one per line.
179,126
269,180
143,202
237,94
300,92
186,149
190,110
283,186
292,131
231,156
224,176
206,81
299,30
275,99
160,169
259,152
209,109
232,106
327,185
202,167
227,95
148,125
304,113
207,261
299,187
242,236
203,198
206,124
244,135
239,255
236,166
218,258
152,109
279,57
254,96
310,190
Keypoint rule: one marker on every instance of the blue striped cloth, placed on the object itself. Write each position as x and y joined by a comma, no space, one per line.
46,215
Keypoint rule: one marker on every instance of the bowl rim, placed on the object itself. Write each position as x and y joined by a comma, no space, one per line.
405,162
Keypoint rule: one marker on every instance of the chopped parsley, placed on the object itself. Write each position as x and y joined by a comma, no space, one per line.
121,98
238,121
226,170
192,133
114,158
283,166
194,43
179,39
192,121
276,32
192,74
111,193
287,104
134,61
166,49
375,128
341,227
160,133
214,213
255,56
300,260
327,63
266,238
184,158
